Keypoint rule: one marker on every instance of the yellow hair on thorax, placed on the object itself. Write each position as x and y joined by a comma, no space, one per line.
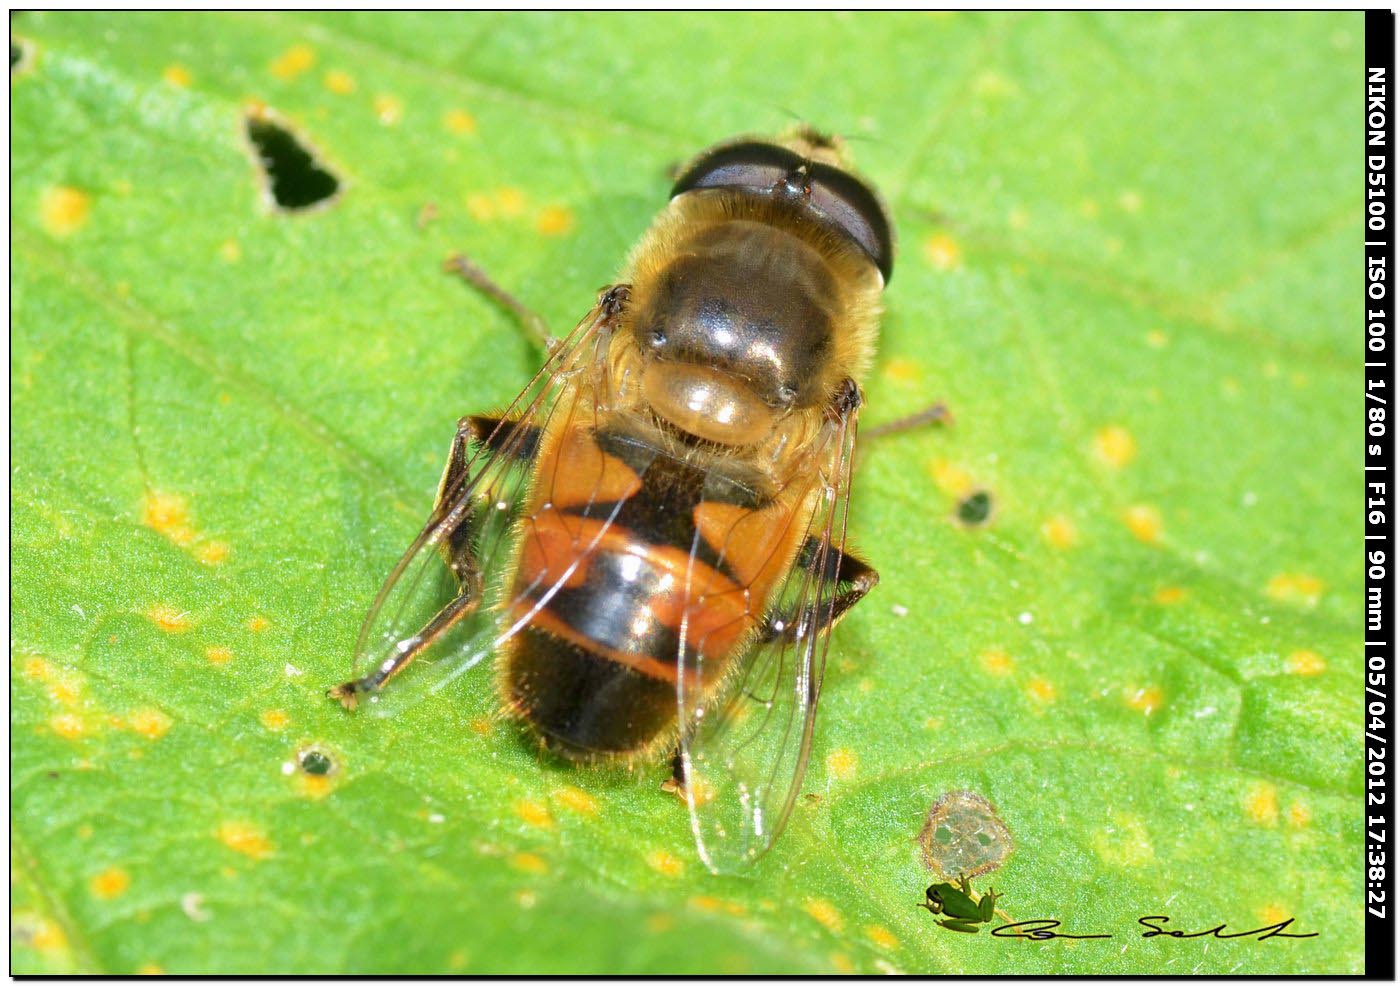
855,281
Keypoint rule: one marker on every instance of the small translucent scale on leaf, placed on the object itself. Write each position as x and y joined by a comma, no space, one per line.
964,836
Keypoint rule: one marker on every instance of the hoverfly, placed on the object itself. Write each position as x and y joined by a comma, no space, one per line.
650,541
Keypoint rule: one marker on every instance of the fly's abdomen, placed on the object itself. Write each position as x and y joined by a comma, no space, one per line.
603,615
606,588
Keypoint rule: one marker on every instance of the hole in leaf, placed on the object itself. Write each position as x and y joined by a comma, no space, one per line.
315,762
295,180
21,55
975,509
964,835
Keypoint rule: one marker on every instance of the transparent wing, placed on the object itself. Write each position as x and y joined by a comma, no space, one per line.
745,744
441,605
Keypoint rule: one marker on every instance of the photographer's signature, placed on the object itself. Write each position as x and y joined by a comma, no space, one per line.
957,910
1044,929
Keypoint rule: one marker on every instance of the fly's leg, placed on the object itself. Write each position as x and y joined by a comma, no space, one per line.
348,694
842,569
459,551
530,320
934,414
676,783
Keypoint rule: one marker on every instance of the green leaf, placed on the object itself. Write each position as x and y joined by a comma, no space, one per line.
1129,256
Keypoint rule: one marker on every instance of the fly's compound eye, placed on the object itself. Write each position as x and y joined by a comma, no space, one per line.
750,165
836,197
849,203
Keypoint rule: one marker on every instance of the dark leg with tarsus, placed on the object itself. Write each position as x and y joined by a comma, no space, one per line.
530,321
499,436
852,577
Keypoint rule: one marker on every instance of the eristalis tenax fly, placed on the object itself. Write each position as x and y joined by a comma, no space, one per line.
649,543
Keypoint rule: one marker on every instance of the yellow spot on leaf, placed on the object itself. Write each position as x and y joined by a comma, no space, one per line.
943,252
704,903
63,210
230,252
665,863
1114,446
314,786
1130,201
212,553
1042,690
150,969
275,719
388,110
177,75
150,723
825,913
510,201
577,800
339,82
534,813
1305,662
1273,914
1295,587
47,936
951,478
841,962
555,220
459,122
1060,532
881,936
65,686
168,618
1157,339
1089,208
1124,842
658,923
110,883
902,370
69,726
1261,803
528,862
1144,522
841,764
997,662
482,726
1168,595
168,514
1017,219
293,62
1299,814
1146,700
258,624
247,839
481,207
218,656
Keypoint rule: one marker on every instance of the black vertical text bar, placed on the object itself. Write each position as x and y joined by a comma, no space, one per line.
1379,229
